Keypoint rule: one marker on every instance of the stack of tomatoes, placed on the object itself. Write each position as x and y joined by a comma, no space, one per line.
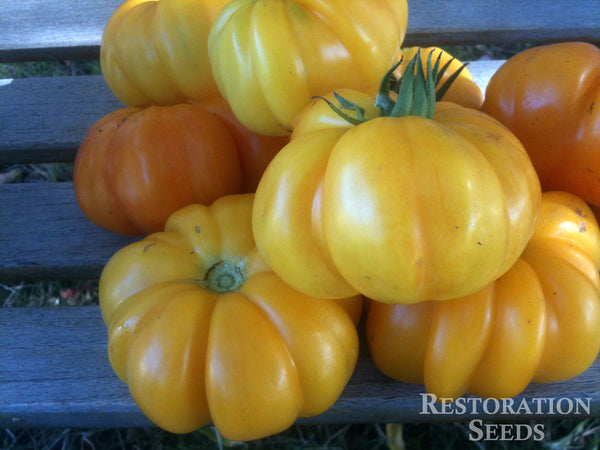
294,168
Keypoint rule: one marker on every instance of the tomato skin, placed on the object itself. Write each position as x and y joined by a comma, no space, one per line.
155,52
251,360
255,150
136,166
360,212
549,96
538,322
270,57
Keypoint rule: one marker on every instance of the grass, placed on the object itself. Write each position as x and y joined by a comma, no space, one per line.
563,434
50,68
560,433
49,293
298,437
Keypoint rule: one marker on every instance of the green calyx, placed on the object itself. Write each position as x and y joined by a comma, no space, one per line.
415,90
224,277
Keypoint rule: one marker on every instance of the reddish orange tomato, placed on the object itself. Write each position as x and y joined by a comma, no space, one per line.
540,321
136,166
549,96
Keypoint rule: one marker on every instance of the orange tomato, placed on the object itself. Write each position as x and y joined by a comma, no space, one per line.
538,322
136,166
202,331
549,96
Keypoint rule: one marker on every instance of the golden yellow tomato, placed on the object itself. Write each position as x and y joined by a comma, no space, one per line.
269,57
400,209
202,331
538,322
154,52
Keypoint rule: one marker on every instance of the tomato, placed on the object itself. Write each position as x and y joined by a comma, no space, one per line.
202,331
549,96
539,322
137,165
270,56
155,51
400,209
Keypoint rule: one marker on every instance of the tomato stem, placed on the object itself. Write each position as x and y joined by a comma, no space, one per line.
415,90
224,277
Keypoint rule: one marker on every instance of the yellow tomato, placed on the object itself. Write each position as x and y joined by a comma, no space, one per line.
538,322
202,331
400,209
269,57
155,51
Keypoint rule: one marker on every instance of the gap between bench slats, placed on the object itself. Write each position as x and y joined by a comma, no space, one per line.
45,119
54,371
37,29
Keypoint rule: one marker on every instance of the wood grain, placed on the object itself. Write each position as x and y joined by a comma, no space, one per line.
37,29
45,119
46,236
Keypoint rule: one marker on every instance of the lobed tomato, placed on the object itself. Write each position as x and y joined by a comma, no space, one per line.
549,97
539,322
270,56
400,209
136,166
202,331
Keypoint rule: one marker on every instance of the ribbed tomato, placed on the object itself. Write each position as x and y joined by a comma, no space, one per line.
399,208
269,57
538,322
202,331
154,52
136,166
549,97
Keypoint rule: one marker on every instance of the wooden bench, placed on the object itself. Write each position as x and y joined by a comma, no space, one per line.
54,369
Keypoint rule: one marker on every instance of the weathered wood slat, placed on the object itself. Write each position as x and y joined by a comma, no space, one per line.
45,119
46,236
54,370
449,22
40,30
35,29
